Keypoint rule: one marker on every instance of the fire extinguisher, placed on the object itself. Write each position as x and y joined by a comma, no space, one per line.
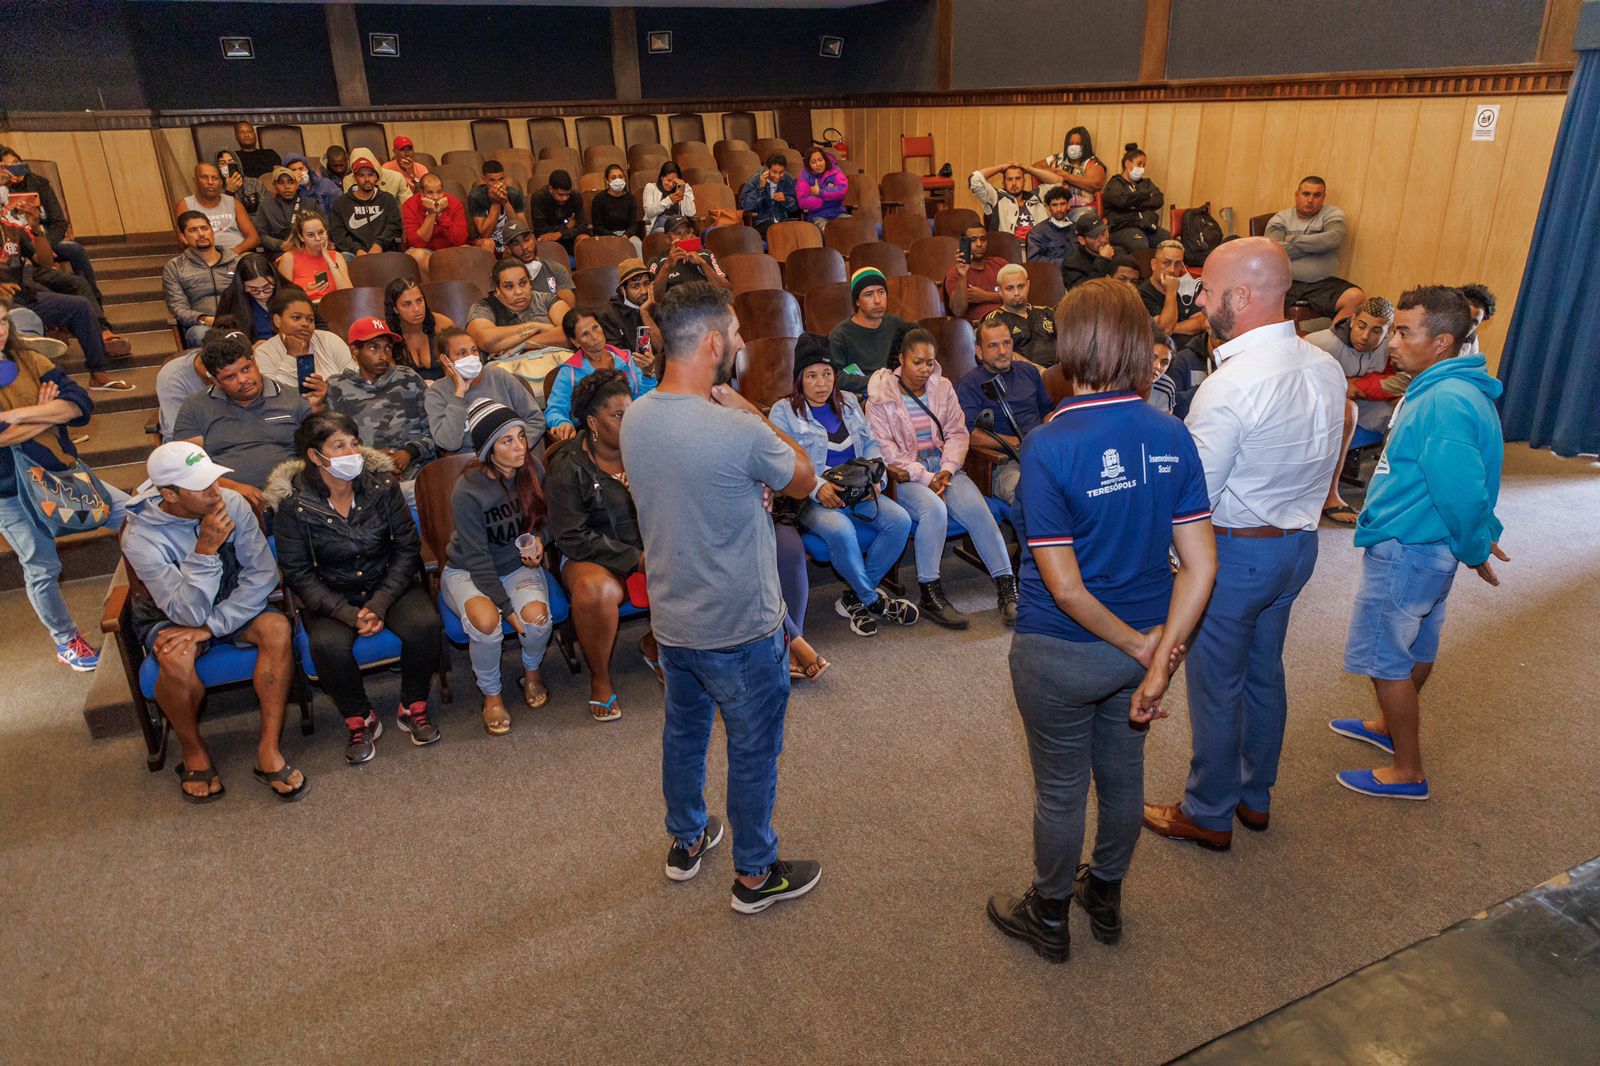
833,141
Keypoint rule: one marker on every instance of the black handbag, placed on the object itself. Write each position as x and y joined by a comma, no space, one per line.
856,479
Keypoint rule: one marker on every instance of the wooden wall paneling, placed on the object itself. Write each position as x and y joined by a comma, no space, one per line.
1158,142
85,178
1351,152
1474,192
1428,188
1276,165
1313,138
1366,261
1215,156
1184,150
143,204
1530,141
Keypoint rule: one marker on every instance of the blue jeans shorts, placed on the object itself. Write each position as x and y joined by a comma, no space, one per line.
1399,609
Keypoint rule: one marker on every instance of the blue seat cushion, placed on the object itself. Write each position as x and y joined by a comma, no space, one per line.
1364,436
817,548
222,664
381,647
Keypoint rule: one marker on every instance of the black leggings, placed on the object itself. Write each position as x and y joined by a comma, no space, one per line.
414,620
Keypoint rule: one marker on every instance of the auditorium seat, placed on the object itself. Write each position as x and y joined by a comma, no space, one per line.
1006,246
1045,285
640,130
904,227
739,126
342,307
656,244
792,159
703,176
647,155
940,188
768,313
764,370
785,237
1056,384
932,257
955,343
554,251
593,286
452,298
685,151
561,158
454,171
748,271
740,166
827,305
455,188
489,135
462,157
547,131
765,146
466,263
209,139
514,157
954,221
1144,257
1258,224
846,231
913,297
720,150
639,177
589,183
686,126
520,174
603,251
599,156
369,135
901,188
723,241
424,158
807,267
885,255
714,196
379,269
594,129
862,199
286,140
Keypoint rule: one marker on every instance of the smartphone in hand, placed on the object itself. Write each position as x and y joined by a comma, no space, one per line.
965,245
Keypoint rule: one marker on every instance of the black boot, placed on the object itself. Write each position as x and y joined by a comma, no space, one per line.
1005,588
1041,922
933,605
1102,902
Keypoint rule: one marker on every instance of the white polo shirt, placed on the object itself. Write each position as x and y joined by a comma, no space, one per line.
1268,424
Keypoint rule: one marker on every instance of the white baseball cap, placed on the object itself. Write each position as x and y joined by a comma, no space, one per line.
182,465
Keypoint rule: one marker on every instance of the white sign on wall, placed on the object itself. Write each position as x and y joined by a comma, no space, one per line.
1485,121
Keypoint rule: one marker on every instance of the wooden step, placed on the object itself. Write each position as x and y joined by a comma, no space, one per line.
130,290
143,396
117,437
129,266
150,348
138,316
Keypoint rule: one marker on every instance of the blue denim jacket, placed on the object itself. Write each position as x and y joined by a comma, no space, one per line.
809,434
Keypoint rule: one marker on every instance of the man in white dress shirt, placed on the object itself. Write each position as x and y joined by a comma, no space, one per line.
1267,423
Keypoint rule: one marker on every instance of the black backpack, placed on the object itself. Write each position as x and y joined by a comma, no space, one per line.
1200,234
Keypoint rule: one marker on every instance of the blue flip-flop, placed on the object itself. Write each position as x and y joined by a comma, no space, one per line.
1356,730
607,711
1367,783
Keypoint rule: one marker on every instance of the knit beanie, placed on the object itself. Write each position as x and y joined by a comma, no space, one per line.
864,279
810,350
487,421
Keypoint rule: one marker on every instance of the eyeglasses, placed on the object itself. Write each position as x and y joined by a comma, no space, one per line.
261,290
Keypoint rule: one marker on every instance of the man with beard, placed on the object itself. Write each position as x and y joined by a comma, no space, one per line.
701,460
366,220
385,401
1033,328
1055,237
1013,208
1267,424
255,160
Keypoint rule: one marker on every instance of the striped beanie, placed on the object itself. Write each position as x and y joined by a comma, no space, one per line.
487,421
865,278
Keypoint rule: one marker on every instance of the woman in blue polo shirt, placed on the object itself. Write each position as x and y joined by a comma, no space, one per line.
1108,483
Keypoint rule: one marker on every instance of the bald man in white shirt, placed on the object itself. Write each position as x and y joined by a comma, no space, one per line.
1268,424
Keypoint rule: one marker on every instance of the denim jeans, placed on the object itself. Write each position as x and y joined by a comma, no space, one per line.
1238,702
750,683
77,257
1074,699
41,566
837,527
524,585
75,313
195,335
792,578
932,514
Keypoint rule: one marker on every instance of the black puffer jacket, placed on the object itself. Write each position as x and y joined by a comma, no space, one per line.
592,519
1130,204
334,563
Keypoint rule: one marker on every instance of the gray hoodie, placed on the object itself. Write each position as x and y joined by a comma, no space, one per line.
447,412
188,589
191,286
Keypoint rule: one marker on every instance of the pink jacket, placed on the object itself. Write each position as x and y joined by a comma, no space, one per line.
891,423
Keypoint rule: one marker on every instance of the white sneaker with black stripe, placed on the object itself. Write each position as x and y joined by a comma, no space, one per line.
862,622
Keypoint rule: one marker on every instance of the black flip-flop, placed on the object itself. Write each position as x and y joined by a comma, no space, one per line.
209,774
282,777
1344,515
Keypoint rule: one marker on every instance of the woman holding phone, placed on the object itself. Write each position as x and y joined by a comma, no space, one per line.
309,261
301,356
591,353
493,570
668,197
1108,484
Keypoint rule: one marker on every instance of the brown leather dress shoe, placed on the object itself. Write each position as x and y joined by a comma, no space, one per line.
1255,821
1168,820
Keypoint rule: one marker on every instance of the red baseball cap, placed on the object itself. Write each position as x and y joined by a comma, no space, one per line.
403,141
365,329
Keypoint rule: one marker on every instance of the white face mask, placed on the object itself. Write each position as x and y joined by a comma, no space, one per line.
617,185
469,367
346,467
1074,152
1136,174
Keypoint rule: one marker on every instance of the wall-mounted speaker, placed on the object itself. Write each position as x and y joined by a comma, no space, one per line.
659,42
832,48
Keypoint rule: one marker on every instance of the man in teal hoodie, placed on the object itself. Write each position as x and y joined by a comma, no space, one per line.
1430,508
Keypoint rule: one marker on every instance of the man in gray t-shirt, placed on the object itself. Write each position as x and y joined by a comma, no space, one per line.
701,460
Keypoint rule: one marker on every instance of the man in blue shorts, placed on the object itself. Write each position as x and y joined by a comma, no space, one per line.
1430,507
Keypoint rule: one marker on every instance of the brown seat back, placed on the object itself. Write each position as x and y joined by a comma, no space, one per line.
489,135
594,286
377,270
452,298
640,129
342,307
827,305
885,255
768,313
594,129
369,135
435,520
913,297
847,231
904,228
785,237
1006,246
686,126
732,240
547,131
955,343
807,267
466,263
1045,285
932,257
749,271
954,221
599,156
765,370
604,252
739,126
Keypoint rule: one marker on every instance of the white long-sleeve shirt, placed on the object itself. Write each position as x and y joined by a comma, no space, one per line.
1006,208
1268,424
656,203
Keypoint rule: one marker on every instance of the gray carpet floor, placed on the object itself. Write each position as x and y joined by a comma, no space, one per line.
501,899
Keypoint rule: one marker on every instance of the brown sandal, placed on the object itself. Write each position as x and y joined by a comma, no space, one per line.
500,724
534,699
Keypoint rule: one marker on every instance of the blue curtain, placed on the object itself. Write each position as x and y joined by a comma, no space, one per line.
1551,365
